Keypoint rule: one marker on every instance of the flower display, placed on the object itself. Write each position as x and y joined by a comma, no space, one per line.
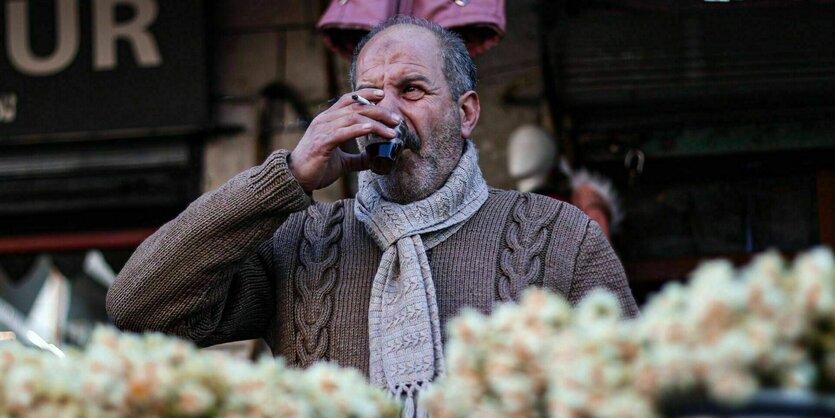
723,336
124,375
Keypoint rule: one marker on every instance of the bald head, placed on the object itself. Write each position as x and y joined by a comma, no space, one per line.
456,64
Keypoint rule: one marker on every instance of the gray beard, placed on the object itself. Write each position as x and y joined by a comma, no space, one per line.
416,176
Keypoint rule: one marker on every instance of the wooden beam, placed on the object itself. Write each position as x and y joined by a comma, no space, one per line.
73,241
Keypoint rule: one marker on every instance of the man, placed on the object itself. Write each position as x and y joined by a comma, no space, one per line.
368,283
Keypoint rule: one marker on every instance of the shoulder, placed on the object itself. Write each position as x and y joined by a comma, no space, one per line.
545,231
561,213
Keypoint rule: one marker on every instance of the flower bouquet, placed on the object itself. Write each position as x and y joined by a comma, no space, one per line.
124,375
711,345
757,339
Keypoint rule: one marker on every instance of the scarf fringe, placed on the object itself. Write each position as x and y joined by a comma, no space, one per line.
409,394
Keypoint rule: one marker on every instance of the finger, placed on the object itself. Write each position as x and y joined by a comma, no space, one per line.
355,162
349,119
350,132
370,94
355,118
372,112
378,113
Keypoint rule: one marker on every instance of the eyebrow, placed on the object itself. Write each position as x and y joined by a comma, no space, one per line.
401,82
413,78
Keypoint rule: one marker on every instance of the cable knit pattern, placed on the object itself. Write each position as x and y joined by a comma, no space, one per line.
404,327
526,238
590,260
314,281
250,260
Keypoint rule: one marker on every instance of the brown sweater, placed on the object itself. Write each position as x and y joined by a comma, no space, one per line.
257,258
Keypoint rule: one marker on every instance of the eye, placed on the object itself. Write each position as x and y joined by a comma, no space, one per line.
412,92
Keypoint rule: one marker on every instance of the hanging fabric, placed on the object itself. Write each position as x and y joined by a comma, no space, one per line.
22,292
87,299
48,316
96,267
481,23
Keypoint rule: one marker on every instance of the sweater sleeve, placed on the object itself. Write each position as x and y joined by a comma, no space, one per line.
205,275
598,266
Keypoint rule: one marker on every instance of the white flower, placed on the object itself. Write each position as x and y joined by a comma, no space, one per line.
761,336
516,394
454,396
734,348
731,386
501,363
506,317
765,298
672,300
463,358
598,307
801,376
568,400
20,386
814,273
626,405
488,408
545,309
712,276
469,327
674,367
719,333
123,375
768,267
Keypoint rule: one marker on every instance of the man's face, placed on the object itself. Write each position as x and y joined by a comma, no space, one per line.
404,62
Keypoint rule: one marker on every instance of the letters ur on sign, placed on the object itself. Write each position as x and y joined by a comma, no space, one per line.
106,31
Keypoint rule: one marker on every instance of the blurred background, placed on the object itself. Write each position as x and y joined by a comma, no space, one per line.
713,121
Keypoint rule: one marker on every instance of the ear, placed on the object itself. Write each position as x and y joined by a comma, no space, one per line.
469,108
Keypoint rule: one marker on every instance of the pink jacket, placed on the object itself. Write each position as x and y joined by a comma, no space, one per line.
480,22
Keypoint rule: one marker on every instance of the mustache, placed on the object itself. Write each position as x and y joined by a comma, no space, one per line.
409,137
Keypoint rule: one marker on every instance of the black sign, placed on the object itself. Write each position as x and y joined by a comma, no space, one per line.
75,66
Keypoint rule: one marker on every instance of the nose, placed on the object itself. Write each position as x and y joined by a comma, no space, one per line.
390,101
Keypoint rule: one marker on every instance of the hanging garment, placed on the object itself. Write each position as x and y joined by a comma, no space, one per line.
87,299
18,297
97,268
48,316
481,23
21,293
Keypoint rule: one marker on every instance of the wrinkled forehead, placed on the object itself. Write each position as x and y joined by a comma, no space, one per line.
400,44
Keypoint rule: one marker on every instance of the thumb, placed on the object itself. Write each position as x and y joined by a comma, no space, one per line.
355,162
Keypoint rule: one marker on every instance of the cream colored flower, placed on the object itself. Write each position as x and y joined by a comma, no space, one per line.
598,307
719,333
801,376
516,395
731,386
194,399
626,404
468,328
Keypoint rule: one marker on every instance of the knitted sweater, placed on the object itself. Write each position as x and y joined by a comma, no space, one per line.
257,258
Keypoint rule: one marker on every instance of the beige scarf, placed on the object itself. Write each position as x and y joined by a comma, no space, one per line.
404,329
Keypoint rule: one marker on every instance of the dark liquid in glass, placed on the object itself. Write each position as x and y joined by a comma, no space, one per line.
383,155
